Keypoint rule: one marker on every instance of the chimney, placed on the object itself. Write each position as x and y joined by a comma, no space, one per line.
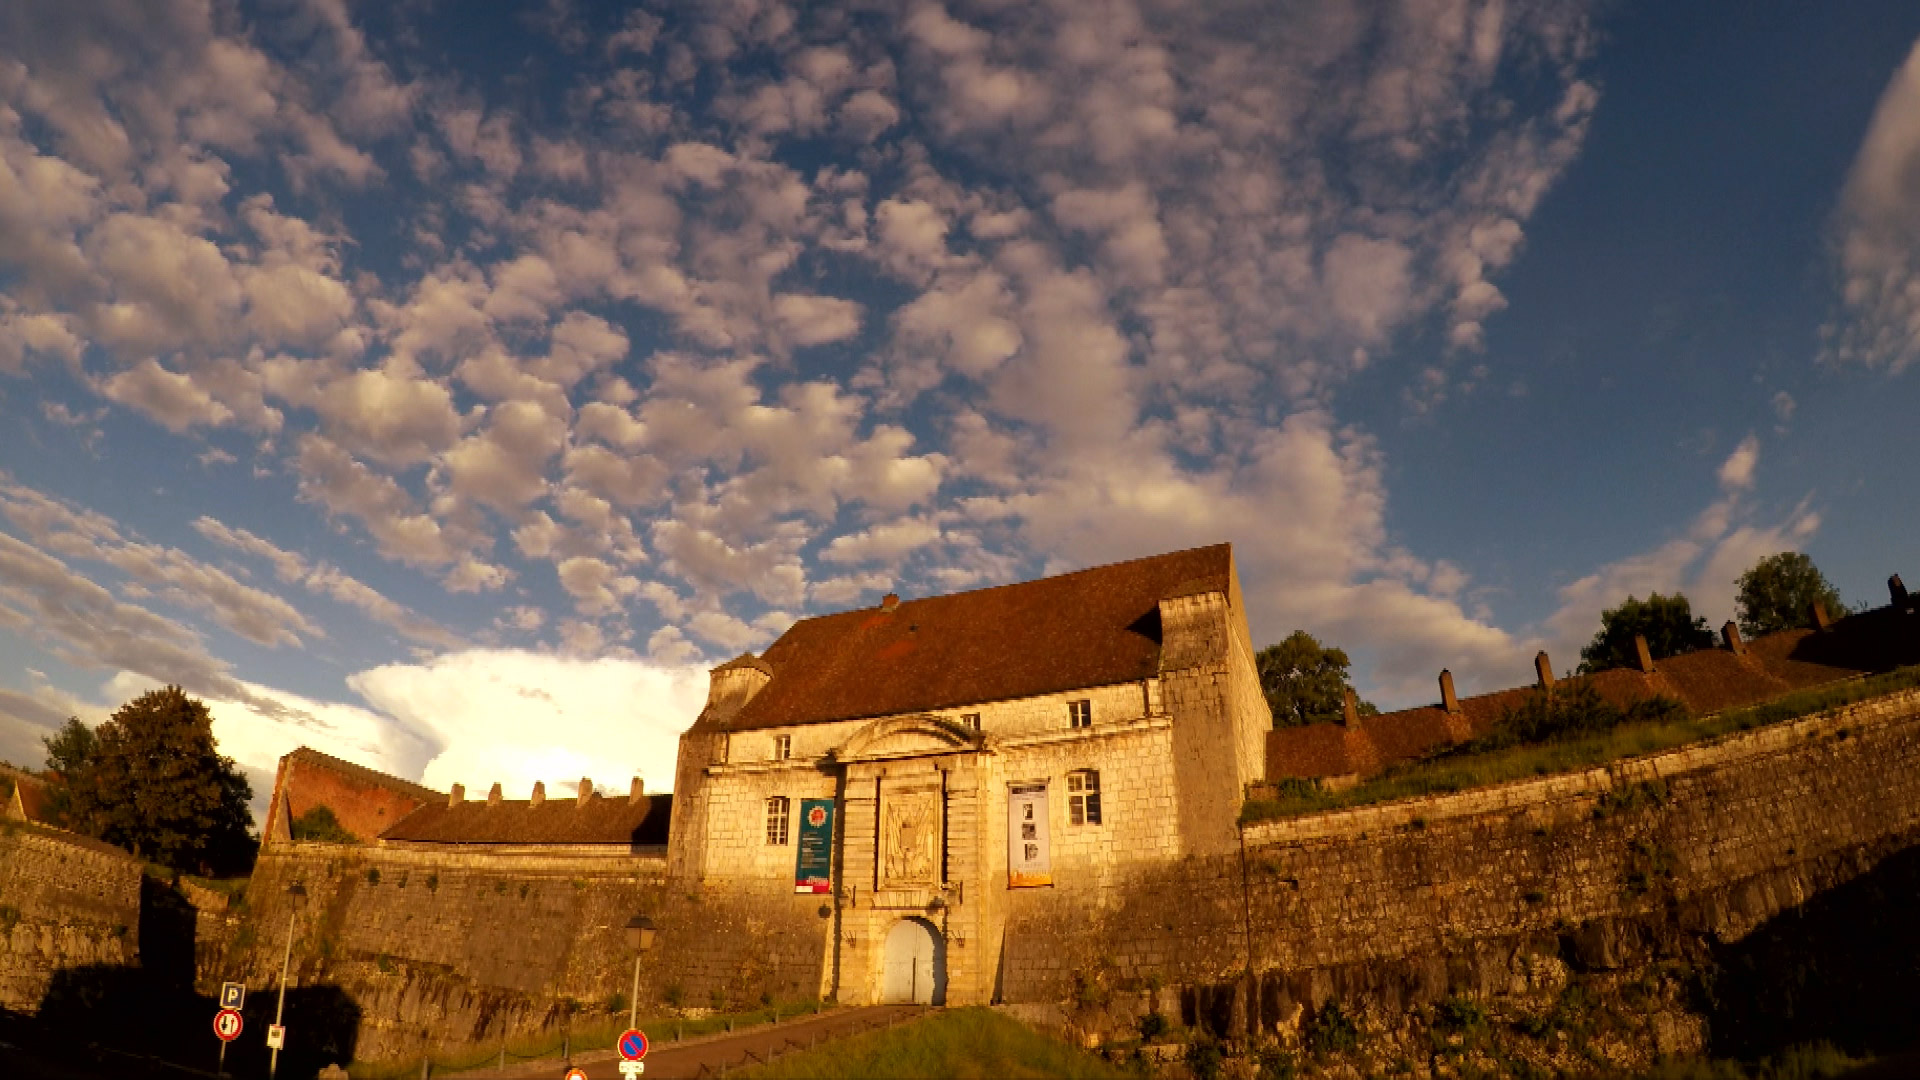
457,796
1349,709
586,790
493,794
539,793
1644,654
637,792
1897,590
1731,634
1543,670
1821,620
1447,700
889,602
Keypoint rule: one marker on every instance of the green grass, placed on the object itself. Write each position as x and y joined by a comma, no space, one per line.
965,1044
1464,768
592,1031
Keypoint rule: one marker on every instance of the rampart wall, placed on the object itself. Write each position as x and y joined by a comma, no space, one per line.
1659,857
441,949
64,903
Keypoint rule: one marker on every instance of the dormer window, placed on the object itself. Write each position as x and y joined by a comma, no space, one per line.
1080,713
782,747
970,720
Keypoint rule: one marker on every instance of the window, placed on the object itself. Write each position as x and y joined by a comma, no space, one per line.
970,719
783,746
777,820
1080,713
1083,797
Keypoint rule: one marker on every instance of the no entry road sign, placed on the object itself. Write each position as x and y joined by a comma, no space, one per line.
227,1024
633,1044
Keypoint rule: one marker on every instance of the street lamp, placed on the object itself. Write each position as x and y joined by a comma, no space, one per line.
298,892
640,936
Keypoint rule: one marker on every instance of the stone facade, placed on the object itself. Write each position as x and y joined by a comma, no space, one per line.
922,798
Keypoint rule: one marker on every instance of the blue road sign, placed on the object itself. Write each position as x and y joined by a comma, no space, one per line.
633,1044
233,995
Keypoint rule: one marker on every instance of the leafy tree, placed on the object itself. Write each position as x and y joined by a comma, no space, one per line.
1305,681
1778,593
1667,622
320,824
69,752
157,785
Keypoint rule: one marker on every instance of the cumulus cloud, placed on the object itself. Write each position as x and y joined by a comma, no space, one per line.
515,717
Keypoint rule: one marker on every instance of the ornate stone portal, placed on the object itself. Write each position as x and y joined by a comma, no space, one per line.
909,839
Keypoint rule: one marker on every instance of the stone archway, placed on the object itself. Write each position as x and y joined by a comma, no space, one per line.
913,966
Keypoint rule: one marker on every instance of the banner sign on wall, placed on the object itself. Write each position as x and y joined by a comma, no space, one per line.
814,870
1027,863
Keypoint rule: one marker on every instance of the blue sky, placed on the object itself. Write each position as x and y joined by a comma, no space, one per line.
447,387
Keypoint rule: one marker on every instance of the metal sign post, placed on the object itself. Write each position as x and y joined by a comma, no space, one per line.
226,1027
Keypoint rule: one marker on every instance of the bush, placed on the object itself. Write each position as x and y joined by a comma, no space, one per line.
1152,1026
1332,1031
1204,1057
321,826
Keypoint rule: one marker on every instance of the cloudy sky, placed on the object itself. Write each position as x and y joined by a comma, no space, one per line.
446,387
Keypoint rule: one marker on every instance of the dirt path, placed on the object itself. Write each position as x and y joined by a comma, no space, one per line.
698,1059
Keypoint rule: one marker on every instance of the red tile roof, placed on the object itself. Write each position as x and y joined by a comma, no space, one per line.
1095,627
601,820
375,777
1706,681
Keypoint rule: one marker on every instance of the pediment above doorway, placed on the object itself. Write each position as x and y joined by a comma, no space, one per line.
908,736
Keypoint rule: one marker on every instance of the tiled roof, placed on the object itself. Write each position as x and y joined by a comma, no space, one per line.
1095,627
310,756
29,791
1706,681
600,820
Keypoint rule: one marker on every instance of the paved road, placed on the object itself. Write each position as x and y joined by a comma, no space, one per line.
697,1060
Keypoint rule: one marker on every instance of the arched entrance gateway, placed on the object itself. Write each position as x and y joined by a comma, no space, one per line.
914,965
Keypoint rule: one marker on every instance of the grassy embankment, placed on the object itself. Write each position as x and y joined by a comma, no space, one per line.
965,1044
1499,759
591,1032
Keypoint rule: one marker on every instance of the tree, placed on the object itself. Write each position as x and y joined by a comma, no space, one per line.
1305,682
69,752
1778,593
156,784
1667,622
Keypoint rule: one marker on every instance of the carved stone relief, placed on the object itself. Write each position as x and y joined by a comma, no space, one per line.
909,838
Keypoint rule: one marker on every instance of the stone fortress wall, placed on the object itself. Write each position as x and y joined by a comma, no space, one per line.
1418,900
65,902
1410,901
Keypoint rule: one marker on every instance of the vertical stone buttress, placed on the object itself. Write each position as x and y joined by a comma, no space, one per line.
732,685
1212,691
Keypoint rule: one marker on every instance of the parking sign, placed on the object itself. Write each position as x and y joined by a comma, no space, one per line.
233,995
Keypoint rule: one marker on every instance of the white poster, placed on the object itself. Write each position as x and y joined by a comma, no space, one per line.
1027,863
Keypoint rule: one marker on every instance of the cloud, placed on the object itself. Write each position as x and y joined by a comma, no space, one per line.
1877,236
1704,562
515,717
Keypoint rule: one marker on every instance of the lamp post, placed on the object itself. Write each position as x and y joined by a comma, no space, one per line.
298,892
640,936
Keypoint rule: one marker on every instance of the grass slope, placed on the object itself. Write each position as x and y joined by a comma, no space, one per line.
1456,771
965,1044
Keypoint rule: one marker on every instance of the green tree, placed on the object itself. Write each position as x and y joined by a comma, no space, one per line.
1305,681
70,752
1667,622
156,784
1778,593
